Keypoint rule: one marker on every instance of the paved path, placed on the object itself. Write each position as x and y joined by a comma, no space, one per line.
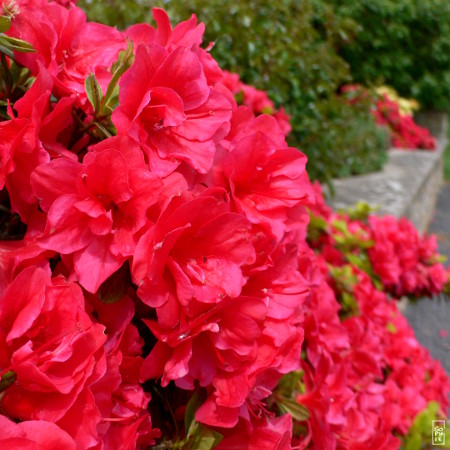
431,318
440,224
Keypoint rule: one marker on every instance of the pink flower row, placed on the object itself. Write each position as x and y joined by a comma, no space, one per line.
164,288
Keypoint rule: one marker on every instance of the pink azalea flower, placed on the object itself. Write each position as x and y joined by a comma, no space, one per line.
268,184
67,46
33,434
49,342
98,207
166,104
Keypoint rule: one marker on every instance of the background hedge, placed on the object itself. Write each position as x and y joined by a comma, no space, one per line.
402,43
289,49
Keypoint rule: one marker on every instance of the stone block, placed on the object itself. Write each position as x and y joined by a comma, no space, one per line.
407,186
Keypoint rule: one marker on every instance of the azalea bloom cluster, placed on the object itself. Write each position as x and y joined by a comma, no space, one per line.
407,106
390,112
256,99
405,132
390,250
365,375
164,291
160,214
414,266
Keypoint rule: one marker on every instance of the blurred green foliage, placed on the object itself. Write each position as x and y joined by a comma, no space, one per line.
420,434
117,13
289,49
401,43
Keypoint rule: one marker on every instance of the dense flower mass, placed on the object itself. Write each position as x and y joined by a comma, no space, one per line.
389,249
169,276
405,132
394,113
98,208
257,100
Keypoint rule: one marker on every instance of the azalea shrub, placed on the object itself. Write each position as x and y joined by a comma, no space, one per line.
390,251
289,50
257,100
400,43
405,132
406,105
159,285
396,114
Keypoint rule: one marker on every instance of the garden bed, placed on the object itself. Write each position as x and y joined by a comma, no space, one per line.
407,186
170,278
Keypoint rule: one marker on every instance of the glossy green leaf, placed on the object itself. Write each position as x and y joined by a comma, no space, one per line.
6,50
115,286
125,61
94,92
194,403
208,439
5,24
291,383
295,409
7,379
16,44
391,328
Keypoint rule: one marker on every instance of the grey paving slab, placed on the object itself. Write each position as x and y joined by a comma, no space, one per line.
430,318
444,248
441,218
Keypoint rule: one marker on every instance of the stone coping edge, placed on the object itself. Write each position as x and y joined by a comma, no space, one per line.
407,186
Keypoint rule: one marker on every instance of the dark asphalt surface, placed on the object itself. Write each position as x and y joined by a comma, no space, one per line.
431,318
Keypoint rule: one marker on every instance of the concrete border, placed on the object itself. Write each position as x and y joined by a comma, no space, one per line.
407,186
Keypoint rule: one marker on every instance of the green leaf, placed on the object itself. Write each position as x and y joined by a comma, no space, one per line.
437,259
5,24
206,439
5,74
7,379
107,110
391,328
295,409
413,442
316,227
7,51
239,97
359,211
361,261
340,225
291,383
340,240
317,222
420,434
354,259
267,110
377,283
349,305
344,277
105,132
194,403
115,286
365,244
16,44
94,92
126,59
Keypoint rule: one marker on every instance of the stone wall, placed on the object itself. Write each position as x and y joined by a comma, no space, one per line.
407,186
